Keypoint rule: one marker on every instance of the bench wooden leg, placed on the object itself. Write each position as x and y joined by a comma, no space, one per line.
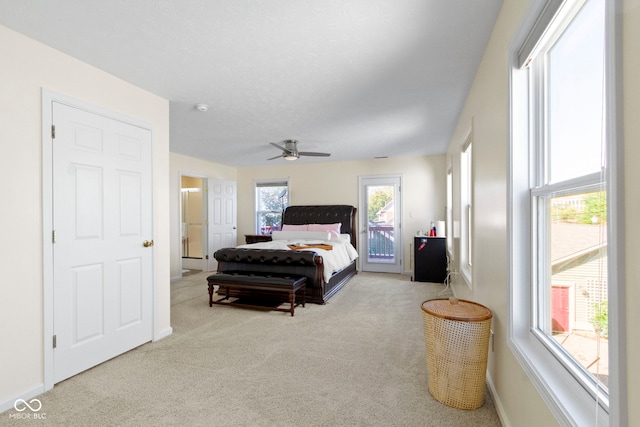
210,295
292,300
292,297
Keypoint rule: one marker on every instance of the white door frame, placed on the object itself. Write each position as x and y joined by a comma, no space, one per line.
48,97
205,210
398,265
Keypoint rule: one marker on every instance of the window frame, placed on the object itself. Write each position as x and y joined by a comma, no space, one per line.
466,208
569,401
449,210
267,183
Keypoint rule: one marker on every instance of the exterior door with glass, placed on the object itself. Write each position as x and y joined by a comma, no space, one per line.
380,214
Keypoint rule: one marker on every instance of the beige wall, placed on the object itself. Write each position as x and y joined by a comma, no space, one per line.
423,197
487,108
27,68
423,192
180,165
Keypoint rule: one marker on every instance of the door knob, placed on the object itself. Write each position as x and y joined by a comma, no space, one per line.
147,243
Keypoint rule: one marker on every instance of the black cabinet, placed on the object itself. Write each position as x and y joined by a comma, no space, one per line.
256,238
430,259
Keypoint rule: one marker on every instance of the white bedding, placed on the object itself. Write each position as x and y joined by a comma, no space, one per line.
342,254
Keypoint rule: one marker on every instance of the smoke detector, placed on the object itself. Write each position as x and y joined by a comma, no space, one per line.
202,107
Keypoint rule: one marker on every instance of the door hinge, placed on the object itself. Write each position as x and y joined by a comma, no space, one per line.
53,131
55,341
206,256
53,236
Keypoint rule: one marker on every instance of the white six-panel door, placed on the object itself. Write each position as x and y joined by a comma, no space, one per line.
222,201
102,215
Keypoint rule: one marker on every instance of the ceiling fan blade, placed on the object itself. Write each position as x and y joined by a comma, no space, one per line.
279,146
311,153
290,150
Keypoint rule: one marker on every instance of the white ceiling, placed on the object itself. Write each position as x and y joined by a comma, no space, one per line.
356,78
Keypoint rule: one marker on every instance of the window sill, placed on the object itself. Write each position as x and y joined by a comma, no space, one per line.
571,404
466,275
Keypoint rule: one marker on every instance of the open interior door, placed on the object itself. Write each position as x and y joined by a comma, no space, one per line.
222,218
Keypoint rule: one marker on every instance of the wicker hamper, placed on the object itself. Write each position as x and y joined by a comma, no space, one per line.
457,336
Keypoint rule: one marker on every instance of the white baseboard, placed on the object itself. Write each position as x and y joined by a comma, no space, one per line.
176,278
497,403
26,396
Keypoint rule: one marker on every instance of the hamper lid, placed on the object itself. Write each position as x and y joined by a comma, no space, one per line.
455,309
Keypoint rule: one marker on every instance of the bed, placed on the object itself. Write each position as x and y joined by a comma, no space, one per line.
277,256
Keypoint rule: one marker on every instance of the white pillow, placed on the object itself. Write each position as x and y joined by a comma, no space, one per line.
300,235
334,229
294,227
342,238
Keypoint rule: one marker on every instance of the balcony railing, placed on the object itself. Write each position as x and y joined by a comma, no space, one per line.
381,242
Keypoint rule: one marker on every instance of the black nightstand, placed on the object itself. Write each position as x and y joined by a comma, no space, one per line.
255,238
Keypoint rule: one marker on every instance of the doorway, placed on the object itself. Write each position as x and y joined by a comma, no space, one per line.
207,221
380,214
192,224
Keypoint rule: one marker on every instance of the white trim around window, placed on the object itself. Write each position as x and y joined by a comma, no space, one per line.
572,403
449,209
284,196
466,207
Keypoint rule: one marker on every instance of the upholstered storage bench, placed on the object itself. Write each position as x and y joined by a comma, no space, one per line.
257,285
274,261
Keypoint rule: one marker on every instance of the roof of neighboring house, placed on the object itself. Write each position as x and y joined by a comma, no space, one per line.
572,239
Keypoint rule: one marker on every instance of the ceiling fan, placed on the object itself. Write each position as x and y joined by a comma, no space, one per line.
290,150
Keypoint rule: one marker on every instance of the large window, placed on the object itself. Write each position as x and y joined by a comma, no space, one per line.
559,222
271,199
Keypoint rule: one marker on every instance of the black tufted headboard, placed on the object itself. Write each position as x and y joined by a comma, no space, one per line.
323,214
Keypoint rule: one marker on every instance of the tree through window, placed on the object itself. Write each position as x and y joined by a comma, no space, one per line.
271,199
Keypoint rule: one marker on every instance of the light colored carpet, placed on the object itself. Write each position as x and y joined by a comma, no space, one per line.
359,360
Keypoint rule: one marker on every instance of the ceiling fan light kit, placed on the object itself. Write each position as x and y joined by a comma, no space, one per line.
290,151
